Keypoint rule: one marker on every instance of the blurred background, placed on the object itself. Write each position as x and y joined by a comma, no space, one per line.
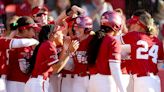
94,8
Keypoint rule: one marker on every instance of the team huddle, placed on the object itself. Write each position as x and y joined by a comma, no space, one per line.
66,55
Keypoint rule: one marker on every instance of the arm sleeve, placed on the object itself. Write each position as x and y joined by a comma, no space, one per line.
117,75
18,43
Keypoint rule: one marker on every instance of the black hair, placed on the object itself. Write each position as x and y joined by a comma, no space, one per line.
93,47
106,29
22,21
43,36
139,12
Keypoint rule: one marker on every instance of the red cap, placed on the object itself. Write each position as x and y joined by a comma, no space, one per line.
36,10
136,20
35,26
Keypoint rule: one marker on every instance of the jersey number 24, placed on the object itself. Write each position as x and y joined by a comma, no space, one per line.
152,51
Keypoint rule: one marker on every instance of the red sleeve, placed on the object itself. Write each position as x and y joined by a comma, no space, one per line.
51,54
5,44
115,51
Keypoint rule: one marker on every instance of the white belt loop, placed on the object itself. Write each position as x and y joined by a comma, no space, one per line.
151,74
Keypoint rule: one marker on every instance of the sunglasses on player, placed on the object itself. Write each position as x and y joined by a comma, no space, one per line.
40,14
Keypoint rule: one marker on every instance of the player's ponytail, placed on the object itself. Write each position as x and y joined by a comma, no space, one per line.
93,48
148,22
43,36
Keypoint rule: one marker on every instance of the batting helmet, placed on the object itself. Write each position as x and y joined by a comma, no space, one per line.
112,19
84,22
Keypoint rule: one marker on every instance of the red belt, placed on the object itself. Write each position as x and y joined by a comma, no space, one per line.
86,73
66,75
146,74
36,76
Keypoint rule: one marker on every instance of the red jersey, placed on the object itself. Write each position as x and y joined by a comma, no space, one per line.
145,51
46,57
80,57
16,57
110,50
4,48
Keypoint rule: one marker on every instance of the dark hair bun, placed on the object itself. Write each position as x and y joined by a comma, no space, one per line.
13,26
25,20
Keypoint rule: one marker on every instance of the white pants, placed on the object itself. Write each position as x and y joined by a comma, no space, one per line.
54,85
14,86
67,83
37,85
147,84
102,83
2,85
80,84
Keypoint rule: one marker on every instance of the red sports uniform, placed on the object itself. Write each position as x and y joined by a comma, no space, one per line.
80,58
14,60
5,46
46,57
110,50
145,52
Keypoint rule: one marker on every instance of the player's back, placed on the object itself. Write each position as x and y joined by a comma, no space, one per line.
145,51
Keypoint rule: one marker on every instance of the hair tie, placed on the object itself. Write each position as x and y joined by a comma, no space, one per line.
15,24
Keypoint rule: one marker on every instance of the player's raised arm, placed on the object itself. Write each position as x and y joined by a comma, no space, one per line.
70,12
18,43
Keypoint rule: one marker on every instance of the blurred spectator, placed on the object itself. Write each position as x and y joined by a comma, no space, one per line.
2,29
2,13
61,5
159,17
25,8
148,5
117,4
40,15
95,9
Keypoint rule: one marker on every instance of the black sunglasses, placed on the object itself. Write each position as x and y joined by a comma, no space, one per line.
40,14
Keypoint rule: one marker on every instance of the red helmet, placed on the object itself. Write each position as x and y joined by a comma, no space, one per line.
112,19
84,22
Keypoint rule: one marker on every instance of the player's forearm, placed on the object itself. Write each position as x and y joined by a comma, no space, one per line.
18,43
64,57
61,17
117,75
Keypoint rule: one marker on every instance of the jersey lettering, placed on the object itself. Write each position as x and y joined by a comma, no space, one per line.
153,51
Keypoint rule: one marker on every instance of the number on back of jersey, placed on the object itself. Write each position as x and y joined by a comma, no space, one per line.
153,51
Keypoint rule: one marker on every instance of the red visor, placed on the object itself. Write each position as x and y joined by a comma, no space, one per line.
37,9
134,20
35,26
